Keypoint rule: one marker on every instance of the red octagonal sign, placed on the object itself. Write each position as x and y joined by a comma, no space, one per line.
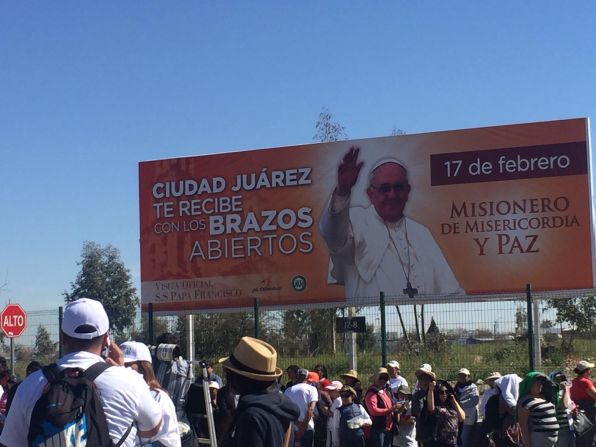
13,320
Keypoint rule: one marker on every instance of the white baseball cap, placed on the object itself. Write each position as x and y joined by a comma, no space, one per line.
465,371
85,319
135,351
582,365
393,364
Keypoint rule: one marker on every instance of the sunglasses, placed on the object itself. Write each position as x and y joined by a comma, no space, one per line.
345,395
386,187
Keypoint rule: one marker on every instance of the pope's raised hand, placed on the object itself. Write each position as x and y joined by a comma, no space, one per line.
348,171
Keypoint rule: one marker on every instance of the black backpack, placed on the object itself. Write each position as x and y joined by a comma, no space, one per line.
492,419
69,412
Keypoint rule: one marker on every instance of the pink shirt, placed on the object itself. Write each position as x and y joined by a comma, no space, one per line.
374,409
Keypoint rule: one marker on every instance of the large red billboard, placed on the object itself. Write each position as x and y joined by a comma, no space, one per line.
436,215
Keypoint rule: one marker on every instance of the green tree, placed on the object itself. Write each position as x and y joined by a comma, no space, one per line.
521,322
579,313
44,346
103,277
435,340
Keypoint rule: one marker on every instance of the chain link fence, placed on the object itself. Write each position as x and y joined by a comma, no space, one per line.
483,336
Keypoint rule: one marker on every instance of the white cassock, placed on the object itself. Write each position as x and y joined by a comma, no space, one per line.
370,256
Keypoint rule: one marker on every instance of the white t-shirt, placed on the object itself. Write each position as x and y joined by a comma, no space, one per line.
302,394
169,434
125,395
396,382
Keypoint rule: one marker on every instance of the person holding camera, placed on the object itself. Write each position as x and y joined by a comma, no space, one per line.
442,404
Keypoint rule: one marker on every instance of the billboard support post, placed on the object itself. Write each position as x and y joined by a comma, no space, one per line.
190,338
530,324
383,330
352,347
150,323
60,318
257,323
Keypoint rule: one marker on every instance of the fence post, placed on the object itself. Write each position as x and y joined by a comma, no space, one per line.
60,318
383,331
530,324
257,323
190,338
150,323
537,346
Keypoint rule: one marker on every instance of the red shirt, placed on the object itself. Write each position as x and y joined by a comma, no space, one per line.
375,408
579,389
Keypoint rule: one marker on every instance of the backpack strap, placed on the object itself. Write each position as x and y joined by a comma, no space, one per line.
52,372
93,373
95,370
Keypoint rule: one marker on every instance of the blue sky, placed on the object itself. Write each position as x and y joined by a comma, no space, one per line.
89,89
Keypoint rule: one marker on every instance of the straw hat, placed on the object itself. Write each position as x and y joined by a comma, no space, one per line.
254,359
493,376
377,375
351,373
425,369
348,389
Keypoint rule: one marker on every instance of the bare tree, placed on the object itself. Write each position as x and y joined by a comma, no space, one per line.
327,129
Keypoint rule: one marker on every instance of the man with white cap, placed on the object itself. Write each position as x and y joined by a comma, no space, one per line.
395,379
127,403
377,248
468,397
305,396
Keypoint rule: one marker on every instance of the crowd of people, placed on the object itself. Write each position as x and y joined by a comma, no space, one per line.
125,404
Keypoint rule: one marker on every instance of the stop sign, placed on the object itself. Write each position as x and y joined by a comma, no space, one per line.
13,320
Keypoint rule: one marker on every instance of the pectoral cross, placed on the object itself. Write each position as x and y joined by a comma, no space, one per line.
410,291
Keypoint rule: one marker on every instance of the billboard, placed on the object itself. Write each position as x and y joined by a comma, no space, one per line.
445,214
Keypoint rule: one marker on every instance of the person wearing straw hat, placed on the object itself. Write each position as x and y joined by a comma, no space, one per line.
348,420
264,416
351,378
487,394
406,436
425,377
381,408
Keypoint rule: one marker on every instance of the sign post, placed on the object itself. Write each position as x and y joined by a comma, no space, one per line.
13,321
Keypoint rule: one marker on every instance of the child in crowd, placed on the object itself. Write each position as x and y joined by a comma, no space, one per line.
348,421
407,423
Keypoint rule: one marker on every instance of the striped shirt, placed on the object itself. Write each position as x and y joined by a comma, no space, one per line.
543,416
562,419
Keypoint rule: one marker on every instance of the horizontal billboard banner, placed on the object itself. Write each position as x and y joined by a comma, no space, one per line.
444,214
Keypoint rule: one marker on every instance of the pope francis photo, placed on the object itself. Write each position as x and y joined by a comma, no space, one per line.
377,248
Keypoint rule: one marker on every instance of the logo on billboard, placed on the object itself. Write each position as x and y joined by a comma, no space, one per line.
266,286
299,283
